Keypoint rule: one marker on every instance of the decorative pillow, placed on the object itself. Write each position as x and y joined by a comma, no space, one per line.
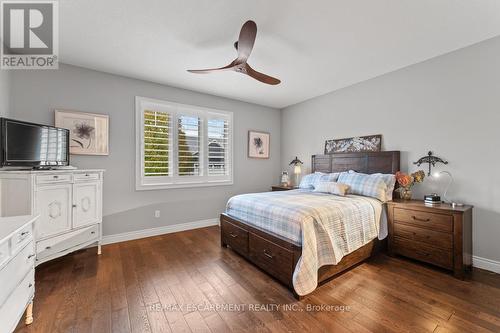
389,180
332,187
308,181
329,177
363,184
312,180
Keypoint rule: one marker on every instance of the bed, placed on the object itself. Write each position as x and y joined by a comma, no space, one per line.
278,250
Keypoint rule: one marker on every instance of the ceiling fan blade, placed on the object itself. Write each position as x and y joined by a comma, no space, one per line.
246,40
260,76
211,70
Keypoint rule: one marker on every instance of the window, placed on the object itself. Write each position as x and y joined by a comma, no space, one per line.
182,145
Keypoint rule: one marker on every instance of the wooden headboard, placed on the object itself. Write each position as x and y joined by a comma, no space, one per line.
369,162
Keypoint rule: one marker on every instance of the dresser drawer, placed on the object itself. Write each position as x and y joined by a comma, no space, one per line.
53,179
86,176
15,270
422,219
273,258
66,241
21,238
435,238
13,308
235,237
423,252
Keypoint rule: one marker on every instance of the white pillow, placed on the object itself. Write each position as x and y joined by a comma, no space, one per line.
332,188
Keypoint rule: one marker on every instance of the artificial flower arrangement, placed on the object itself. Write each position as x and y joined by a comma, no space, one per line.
406,181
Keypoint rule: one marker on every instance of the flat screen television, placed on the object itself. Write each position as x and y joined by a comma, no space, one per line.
33,145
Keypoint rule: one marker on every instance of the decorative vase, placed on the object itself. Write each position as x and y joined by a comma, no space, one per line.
405,193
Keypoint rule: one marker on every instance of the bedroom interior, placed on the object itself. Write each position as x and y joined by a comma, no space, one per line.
350,188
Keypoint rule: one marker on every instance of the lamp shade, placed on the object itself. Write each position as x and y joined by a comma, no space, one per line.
297,169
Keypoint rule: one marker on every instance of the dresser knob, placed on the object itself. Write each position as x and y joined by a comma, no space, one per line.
48,247
55,177
92,232
30,285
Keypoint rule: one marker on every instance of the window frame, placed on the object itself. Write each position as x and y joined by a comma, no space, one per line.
174,180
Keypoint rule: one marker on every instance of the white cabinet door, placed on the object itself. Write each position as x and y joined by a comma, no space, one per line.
53,203
86,198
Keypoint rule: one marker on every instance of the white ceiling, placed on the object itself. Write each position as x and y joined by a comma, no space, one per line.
314,47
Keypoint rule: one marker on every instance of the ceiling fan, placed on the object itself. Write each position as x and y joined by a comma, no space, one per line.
244,46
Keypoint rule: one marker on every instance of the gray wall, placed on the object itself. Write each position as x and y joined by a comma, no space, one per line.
449,104
37,93
5,78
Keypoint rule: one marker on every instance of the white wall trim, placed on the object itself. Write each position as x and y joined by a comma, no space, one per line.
487,264
126,236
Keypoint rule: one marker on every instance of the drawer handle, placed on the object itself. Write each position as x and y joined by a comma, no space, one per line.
24,233
270,256
92,232
30,285
31,256
48,247
233,235
74,206
87,175
55,177
419,219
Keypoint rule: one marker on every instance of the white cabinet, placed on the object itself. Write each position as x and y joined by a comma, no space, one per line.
54,204
69,203
17,270
86,200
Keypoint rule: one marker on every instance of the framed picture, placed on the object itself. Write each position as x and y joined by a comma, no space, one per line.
89,132
354,145
258,144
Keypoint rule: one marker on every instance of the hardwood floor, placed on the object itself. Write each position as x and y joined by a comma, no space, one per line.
186,282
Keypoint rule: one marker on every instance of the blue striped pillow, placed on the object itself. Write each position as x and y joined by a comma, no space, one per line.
308,181
367,185
312,180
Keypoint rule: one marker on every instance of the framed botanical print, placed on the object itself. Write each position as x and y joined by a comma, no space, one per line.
89,132
258,144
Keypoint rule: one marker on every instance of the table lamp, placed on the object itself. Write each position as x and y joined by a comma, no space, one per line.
296,163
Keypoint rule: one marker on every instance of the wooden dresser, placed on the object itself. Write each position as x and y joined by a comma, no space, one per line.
17,270
438,235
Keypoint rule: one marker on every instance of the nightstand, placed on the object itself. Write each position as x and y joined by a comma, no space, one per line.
281,188
438,235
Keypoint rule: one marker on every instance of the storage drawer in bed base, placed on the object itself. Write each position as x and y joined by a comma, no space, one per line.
277,256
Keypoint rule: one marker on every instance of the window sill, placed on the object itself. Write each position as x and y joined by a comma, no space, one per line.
150,187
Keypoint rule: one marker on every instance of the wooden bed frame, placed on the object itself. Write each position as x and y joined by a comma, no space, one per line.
278,256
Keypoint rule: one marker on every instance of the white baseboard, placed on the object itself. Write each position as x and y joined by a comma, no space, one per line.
126,236
487,264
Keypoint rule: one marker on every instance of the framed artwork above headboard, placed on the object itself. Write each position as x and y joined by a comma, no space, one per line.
365,162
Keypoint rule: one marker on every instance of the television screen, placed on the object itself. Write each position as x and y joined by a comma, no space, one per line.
27,144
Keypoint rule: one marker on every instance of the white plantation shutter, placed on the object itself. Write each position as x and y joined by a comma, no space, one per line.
188,145
218,146
182,145
157,137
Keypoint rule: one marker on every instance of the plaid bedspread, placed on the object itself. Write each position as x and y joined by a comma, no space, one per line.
328,226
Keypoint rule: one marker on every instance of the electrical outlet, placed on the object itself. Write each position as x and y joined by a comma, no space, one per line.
157,213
